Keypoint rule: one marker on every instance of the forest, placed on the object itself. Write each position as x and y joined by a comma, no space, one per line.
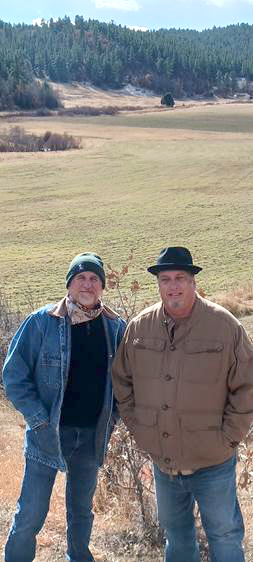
217,61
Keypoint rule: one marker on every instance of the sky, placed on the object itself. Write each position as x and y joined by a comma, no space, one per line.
151,14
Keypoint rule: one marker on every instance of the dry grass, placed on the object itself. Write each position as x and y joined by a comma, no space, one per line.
239,301
74,95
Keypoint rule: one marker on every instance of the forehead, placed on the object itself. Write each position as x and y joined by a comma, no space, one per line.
173,274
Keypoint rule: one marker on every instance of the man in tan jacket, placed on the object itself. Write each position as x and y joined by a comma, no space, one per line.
183,378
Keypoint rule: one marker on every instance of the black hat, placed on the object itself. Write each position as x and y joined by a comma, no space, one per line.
174,258
86,262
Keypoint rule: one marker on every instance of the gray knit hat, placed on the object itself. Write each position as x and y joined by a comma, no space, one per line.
86,262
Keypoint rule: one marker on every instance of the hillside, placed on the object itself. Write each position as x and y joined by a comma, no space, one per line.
185,62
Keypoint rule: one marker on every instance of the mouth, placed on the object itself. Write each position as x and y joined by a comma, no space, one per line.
87,291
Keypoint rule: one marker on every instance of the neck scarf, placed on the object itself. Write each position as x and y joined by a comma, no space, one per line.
79,313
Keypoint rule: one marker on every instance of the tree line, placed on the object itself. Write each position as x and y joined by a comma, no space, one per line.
185,62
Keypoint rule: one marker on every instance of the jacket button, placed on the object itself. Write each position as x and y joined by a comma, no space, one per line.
165,434
168,377
165,407
172,347
167,460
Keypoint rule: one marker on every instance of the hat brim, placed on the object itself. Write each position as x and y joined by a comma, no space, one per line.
155,269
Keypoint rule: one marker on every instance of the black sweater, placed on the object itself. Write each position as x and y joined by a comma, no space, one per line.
84,394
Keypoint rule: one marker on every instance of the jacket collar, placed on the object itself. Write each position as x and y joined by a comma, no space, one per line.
59,310
184,325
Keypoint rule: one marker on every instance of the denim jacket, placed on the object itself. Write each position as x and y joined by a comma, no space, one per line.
35,376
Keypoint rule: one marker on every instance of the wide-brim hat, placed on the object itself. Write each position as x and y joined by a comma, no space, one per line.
177,258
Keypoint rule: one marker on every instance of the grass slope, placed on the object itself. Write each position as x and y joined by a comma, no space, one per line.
140,181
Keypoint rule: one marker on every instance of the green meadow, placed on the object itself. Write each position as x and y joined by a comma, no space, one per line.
140,182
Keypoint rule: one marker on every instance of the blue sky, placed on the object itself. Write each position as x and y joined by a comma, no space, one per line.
153,14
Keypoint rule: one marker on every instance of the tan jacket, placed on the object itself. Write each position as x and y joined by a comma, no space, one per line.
185,390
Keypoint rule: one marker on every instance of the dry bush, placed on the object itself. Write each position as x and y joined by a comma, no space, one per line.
125,301
103,110
239,301
125,493
18,140
88,110
56,141
9,322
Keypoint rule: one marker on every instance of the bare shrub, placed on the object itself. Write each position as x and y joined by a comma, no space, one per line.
55,141
239,301
18,140
126,300
9,321
88,110
126,484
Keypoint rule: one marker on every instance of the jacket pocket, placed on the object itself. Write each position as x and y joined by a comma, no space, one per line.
146,430
51,369
203,361
149,356
203,439
43,441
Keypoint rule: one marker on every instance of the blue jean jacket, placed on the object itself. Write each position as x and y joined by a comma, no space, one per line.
35,376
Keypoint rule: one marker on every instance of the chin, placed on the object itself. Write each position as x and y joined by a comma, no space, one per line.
173,304
87,302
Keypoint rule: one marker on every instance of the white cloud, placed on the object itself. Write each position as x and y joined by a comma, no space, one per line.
38,22
125,5
222,3
137,28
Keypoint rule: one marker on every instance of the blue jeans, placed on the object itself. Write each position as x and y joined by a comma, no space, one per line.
214,489
33,504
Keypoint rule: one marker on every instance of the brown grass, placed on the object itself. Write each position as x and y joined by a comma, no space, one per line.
239,301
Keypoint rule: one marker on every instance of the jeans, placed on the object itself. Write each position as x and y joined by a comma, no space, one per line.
33,504
214,489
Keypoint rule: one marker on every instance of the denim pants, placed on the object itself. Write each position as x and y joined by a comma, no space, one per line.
33,504
214,490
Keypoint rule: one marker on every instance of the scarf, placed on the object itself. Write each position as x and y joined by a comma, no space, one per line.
79,313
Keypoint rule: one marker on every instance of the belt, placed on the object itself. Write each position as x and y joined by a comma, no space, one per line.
174,472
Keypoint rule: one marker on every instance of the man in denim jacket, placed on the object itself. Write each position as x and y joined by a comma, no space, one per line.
57,373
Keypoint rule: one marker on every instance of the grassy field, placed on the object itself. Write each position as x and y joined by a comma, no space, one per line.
141,181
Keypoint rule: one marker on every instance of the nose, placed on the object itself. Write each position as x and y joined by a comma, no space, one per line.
174,284
86,283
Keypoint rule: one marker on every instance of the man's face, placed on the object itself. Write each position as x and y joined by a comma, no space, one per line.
177,290
86,288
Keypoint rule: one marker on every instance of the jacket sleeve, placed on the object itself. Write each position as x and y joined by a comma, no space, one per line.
123,383
121,330
238,414
18,372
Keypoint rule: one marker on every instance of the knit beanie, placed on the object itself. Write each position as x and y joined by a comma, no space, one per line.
86,262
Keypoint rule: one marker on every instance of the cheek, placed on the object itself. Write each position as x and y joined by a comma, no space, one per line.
72,290
99,291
